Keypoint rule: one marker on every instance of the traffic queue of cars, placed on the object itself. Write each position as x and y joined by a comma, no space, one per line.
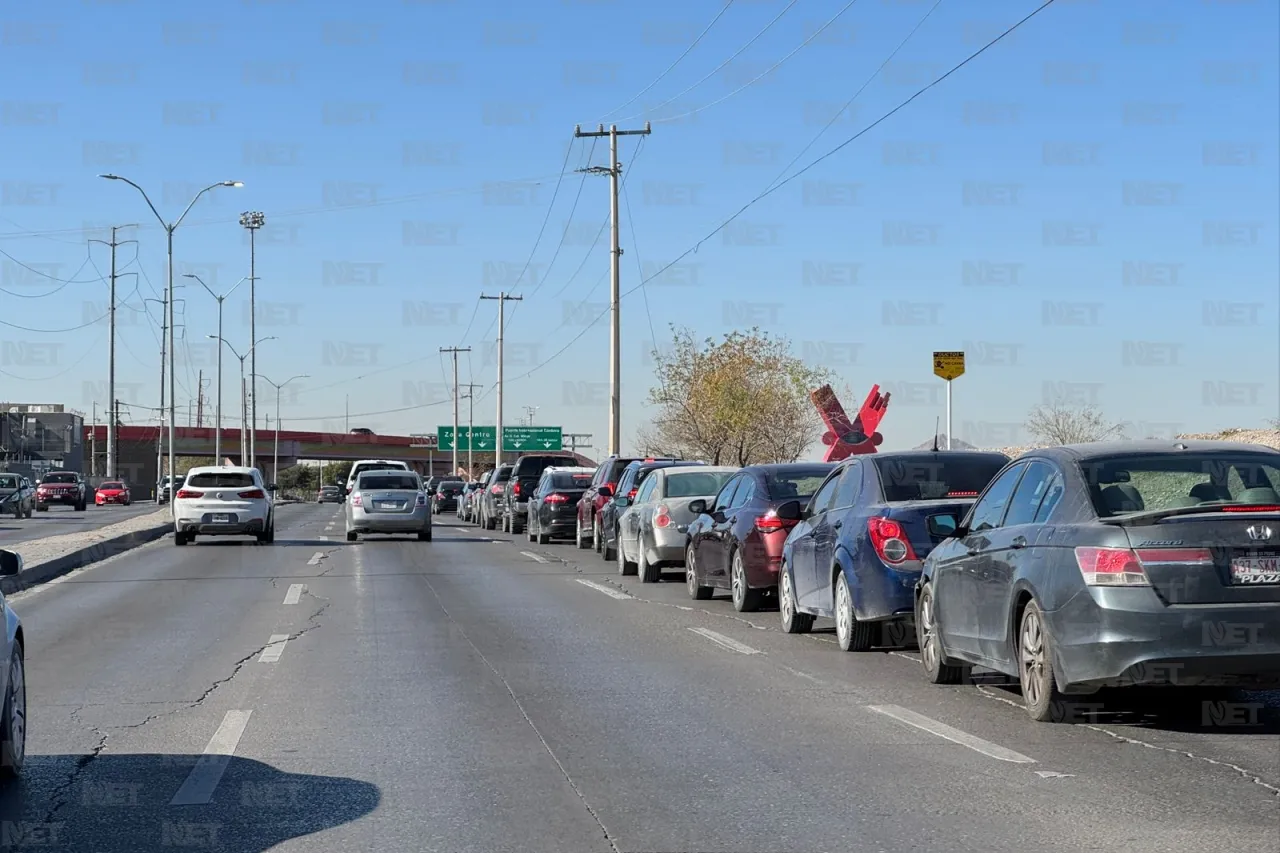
22,498
1070,569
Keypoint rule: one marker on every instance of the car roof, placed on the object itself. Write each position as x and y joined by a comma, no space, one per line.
220,469
395,462
787,467
668,470
1102,449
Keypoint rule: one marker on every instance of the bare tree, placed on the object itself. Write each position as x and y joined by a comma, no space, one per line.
1057,423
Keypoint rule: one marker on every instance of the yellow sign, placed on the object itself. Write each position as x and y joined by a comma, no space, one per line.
948,365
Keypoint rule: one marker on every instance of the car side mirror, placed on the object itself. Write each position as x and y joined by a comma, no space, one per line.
698,507
944,525
622,500
790,511
605,491
10,563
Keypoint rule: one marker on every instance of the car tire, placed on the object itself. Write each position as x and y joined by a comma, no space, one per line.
626,568
745,599
13,728
581,541
528,532
424,535
543,538
80,507
597,541
938,668
42,509
648,572
610,552
696,591
352,536
179,538
1044,703
793,621
852,635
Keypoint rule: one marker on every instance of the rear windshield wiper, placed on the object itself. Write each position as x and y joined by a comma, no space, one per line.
1136,518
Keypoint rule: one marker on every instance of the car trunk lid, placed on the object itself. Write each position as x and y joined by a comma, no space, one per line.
389,500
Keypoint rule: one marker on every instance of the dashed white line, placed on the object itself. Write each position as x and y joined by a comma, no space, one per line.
204,777
294,595
599,587
977,744
804,675
726,642
316,558
274,649
462,530
533,556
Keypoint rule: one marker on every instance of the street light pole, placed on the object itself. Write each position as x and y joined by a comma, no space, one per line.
217,435
169,228
275,455
253,220
244,409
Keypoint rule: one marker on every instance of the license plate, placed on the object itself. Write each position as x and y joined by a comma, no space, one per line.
386,505
221,518
1251,571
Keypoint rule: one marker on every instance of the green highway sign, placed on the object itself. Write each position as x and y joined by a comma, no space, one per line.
515,439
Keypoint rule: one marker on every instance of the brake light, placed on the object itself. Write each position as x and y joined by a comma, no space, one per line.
962,494
356,500
1116,566
890,541
1258,508
770,523
662,516
515,490
497,490
253,494
187,494
632,493
556,499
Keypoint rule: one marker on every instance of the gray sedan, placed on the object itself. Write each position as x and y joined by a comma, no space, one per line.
17,495
651,531
388,502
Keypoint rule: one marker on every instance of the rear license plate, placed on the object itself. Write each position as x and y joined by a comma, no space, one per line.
386,505
1250,571
221,518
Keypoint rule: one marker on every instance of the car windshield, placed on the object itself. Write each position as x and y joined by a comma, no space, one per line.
221,480
571,481
388,482
59,478
1147,482
931,477
696,485
796,483
112,486
8,481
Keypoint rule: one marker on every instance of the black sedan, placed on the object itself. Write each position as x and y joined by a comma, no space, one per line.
1112,564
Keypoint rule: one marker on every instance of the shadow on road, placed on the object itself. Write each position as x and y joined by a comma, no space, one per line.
121,804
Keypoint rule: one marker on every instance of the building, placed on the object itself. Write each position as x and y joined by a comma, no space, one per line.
36,438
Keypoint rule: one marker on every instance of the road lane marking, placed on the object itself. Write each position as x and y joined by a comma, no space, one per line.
204,777
462,530
316,558
803,675
274,649
956,736
295,593
533,556
607,590
727,642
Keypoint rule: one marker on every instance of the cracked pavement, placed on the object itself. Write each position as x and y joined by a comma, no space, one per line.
459,696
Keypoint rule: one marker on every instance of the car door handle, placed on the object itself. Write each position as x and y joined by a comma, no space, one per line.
1018,542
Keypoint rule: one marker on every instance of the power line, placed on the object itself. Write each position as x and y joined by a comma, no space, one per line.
672,66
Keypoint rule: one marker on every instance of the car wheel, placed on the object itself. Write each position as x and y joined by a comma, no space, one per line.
937,667
528,530
1035,669
424,536
80,507
745,599
543,538
793,621
609,552
853,636
625,566
581,541
352,536
179,538
597,541
42,509
13,728
696,591
648,572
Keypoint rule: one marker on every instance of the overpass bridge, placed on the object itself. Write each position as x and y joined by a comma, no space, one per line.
136,454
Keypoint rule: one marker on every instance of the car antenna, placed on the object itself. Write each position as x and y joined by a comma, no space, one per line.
936,423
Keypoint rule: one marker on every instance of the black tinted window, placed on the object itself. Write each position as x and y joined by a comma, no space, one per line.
501,476
389,482
228,480
796,483
59,478
933,477
1030,492
111,486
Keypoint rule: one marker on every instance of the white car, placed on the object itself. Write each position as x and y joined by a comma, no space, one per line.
372,465
224,501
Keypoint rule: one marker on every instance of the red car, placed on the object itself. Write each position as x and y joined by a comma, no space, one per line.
113,492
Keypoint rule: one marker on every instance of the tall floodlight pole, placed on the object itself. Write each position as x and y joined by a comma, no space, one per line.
275,454
169,228
503,298
253,220
217,434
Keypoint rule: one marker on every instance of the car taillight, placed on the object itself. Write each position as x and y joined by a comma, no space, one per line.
556,499
497,490
356,500
187,494
515,490
770,523
1255,508
253,494
1122,567
890,541
631,494
962,494
662,516
422,500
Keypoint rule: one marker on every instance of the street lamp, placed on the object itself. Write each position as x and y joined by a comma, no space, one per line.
275,454
244,408
253,220
169,228
217,435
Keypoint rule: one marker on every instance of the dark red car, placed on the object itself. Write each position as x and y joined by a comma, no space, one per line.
62,487
736,542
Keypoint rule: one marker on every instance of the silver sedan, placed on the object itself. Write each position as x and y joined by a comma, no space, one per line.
651,531
388,502
13,680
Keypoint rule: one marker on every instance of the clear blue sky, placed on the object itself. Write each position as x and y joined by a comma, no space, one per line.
1139,136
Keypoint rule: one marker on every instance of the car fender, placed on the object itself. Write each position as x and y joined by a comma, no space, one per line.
843,562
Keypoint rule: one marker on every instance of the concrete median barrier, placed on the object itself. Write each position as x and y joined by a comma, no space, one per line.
47,559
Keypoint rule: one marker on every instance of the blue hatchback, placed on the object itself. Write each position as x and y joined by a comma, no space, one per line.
859,545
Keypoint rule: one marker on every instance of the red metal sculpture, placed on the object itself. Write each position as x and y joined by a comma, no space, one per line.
845,438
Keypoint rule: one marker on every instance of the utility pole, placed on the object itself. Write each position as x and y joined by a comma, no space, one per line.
614,171
503,298
471,427
111,350
200,398
347,404
253,220
455,351
93,443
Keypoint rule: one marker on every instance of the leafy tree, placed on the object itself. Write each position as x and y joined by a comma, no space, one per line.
740,400
1054,423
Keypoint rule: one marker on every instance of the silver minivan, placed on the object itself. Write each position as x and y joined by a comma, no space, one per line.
388,501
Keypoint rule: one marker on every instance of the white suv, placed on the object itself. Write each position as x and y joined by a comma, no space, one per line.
217,501
372,465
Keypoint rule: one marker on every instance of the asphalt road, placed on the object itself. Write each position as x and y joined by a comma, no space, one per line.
477,694
60,520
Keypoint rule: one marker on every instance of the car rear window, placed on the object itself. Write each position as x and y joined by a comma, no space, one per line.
534,466
1138,483
395,482
615,471
112,486
501,476
59,478
375,466
228,480
571,481
696,485
934,477
796,483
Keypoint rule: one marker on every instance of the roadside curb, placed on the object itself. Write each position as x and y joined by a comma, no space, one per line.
41,573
